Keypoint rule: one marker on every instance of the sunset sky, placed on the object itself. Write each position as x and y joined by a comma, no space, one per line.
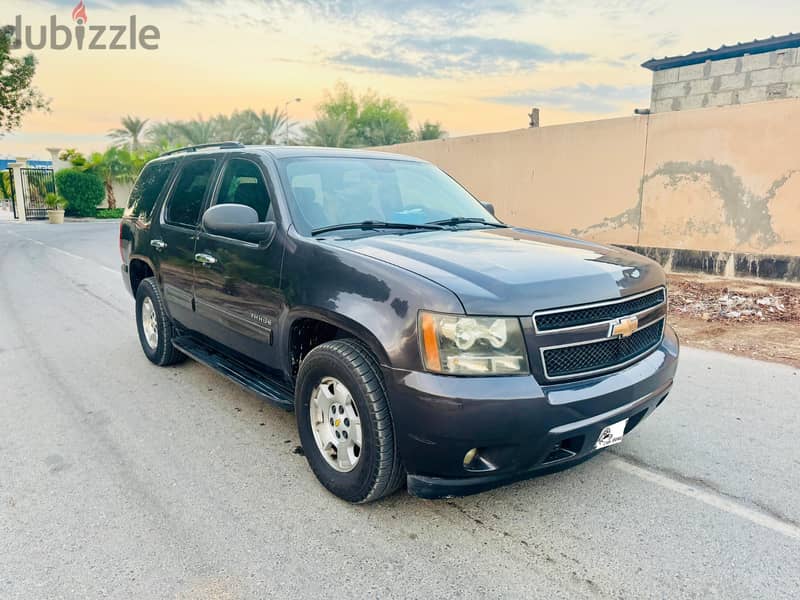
475,65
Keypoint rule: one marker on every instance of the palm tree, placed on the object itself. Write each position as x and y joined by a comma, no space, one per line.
334,132
112,166
430,131
164,136
270,125
198,131
240,126
131,132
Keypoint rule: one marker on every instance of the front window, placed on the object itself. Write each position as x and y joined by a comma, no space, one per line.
329,191
243,183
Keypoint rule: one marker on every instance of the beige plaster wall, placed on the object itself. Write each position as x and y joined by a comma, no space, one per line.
723,179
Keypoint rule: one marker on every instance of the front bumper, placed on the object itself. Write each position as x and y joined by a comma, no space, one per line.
520,428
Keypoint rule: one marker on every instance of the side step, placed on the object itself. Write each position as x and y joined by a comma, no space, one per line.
238,372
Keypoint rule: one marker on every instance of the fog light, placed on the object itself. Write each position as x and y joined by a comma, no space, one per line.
470,456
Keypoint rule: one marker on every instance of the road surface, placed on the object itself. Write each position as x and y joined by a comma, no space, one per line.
120,479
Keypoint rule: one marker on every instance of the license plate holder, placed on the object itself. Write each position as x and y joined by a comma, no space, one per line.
611,434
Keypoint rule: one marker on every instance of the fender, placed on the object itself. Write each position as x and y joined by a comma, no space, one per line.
374,300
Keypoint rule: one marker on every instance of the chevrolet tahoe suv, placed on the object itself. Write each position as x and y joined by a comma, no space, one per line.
418,339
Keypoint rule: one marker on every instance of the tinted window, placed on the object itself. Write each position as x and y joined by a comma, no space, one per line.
147,189
186,201
243,183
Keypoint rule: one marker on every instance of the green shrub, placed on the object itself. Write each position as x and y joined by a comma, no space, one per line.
110,213
83,191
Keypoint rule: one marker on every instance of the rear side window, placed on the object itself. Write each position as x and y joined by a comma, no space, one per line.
145,193
186,201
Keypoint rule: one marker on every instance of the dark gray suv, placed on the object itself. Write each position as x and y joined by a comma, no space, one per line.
418,338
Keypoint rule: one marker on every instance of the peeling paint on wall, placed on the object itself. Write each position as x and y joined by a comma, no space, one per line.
744,210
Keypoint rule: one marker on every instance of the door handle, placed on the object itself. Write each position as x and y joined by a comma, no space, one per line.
205,259
158,244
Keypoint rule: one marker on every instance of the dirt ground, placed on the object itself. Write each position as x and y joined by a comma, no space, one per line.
750,318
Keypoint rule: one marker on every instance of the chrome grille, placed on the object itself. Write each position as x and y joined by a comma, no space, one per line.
586,358
579,316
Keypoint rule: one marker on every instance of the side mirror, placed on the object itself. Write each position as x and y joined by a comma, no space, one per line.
237,221
489,206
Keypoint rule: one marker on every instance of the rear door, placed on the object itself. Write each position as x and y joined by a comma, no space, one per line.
237,287
174,241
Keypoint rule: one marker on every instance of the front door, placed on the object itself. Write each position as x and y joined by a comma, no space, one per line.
237,284
175,239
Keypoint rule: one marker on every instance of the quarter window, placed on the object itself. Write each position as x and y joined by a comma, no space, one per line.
147,190
186,202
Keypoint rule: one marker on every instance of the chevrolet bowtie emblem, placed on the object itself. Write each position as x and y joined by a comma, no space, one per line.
624,327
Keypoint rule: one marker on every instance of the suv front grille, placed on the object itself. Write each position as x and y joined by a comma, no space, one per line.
603,355
597,313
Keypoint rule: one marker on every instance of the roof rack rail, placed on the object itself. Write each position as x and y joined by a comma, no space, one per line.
196,147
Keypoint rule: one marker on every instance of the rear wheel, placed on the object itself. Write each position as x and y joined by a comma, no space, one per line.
345,423
154,325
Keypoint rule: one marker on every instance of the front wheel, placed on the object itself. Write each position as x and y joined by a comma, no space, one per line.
345,423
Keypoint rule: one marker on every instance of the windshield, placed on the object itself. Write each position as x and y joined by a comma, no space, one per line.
329,191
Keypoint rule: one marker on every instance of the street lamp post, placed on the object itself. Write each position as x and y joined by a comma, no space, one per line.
286,113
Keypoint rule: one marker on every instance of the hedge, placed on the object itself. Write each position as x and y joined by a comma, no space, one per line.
110,213
83,191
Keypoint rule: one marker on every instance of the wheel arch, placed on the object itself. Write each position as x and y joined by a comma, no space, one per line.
331,326
139,268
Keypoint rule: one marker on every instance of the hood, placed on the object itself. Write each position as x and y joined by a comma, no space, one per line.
513,271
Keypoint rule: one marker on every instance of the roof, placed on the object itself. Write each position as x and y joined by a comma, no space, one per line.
755,47
297,152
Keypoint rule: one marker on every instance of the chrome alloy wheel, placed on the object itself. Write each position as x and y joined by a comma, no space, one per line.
336,424
150,323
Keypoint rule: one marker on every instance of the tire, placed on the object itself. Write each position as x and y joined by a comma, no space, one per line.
378,470
150,310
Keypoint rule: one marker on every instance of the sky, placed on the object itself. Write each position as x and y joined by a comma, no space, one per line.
476,66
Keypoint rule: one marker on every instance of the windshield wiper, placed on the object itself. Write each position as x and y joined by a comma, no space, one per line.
459,220
376,225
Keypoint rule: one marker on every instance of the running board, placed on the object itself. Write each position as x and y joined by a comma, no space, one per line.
237,371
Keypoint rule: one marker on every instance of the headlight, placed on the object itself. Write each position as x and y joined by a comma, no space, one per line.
459,345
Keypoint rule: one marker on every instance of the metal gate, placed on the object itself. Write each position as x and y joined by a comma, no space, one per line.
36,184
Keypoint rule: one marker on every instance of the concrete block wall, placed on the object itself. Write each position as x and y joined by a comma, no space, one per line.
750,78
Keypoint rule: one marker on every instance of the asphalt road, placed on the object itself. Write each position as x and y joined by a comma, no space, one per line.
120,479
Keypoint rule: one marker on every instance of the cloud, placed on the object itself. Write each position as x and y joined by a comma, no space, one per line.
106,4
454,10
386,65
582,97
459,55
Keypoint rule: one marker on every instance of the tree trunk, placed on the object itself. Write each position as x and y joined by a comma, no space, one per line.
112,201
